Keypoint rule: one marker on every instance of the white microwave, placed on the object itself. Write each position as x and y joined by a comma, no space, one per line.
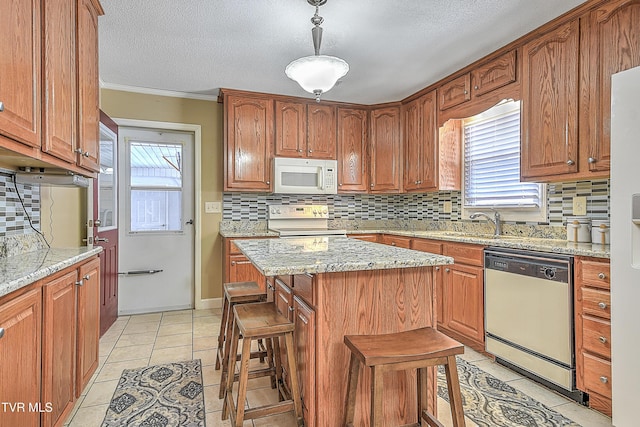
305,176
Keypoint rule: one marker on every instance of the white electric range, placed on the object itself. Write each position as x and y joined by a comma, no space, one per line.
301,221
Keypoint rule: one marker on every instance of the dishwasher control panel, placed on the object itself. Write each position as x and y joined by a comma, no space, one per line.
531,264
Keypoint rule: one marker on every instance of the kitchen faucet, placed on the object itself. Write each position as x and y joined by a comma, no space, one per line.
495,221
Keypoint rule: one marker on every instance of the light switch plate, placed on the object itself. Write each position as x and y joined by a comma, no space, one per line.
579,205
212,207
447,206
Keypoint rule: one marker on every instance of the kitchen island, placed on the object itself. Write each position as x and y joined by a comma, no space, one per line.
334,286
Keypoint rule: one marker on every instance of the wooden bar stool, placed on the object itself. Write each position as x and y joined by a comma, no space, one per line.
236,293
414,349
254,321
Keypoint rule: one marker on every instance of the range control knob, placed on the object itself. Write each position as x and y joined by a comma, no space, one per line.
549,272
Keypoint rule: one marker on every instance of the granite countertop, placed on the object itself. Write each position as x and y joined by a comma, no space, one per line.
21,270
559,246
330,254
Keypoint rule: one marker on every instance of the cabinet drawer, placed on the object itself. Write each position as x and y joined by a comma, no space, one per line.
455,92
430,246
596,302
366,237
401,242
303,287
596,336
594,273
287,280
597,375
497,73
465,254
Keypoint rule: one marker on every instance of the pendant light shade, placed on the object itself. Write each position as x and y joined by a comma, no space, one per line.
317,74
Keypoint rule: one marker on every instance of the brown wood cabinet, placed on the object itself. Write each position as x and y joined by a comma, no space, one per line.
248,142
593,331
463,294
20,65
366,237
420,134
386,150
450,155
59,347
549,110
20,352
291,129
455,92
59,70
237,268
352,144
88,87
399,241
304,318
88,330
321,131
434,247
610,40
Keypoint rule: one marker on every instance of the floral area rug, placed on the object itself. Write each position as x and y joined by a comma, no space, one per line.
159,396
491,402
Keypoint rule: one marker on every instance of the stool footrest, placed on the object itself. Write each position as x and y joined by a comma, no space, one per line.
430,420
257,373
264,411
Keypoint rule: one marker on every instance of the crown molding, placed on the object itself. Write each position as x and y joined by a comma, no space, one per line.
159,92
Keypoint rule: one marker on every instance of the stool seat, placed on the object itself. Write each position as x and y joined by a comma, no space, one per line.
414,349
256,320
243,291
406,346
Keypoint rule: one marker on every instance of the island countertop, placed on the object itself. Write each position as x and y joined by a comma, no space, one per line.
285,256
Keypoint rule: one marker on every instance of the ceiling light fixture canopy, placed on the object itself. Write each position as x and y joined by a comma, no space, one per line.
317,73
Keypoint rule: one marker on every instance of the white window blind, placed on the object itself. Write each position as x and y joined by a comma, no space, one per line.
492,163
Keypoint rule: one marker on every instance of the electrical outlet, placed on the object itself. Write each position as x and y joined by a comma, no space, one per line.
579,205
212,207
447,206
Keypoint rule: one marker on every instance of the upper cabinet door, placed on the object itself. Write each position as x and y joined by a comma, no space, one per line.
248,143
291,129
420,144
455,92
549,134
321,131
614,46
59,104
497,73
386,151
88,86
353,171
20,71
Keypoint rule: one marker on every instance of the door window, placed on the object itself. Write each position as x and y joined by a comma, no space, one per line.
107,181
155,187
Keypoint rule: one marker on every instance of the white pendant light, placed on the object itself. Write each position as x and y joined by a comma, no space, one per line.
317,73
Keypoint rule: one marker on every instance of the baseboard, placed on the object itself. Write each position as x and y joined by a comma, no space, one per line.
208,303
153,310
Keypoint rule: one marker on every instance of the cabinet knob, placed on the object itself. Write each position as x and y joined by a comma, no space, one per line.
602,305
86,154
603,340
393,243
476,87
310,151
268,182
601,276
233,263
78,150
340,185
290,308
604,380
300,150
1,110
437,268
79,283
447,270
1,329
86,277
372,185
591,160
570,162
466,91
419,181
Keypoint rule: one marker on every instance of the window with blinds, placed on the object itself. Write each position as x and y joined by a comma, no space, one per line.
492,162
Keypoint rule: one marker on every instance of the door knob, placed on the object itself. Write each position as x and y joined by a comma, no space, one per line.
101,239
97,223
190,222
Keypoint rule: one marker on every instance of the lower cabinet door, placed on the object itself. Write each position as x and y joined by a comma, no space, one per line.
88,335
304,336
465,305
20,335
58,347
242,270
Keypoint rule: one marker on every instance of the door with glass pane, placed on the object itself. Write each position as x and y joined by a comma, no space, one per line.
156,232
105,208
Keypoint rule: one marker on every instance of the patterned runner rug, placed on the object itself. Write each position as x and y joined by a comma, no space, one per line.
491,402
159,396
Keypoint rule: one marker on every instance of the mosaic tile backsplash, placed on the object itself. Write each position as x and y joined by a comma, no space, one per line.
428,206
13,219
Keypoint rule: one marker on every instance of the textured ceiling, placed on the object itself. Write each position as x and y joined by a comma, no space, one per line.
394,47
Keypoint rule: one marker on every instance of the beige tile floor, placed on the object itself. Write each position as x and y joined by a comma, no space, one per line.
150,339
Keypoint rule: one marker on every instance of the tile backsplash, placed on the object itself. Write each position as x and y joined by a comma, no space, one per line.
427,206
13,219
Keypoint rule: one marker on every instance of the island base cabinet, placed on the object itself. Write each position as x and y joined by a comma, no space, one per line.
368,302
20,356
58,347
88,336
304,341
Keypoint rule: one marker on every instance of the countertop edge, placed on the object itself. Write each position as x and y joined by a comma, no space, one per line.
47,269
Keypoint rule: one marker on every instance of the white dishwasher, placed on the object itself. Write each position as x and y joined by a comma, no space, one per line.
529,315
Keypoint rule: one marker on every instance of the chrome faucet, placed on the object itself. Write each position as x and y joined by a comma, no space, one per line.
495,221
